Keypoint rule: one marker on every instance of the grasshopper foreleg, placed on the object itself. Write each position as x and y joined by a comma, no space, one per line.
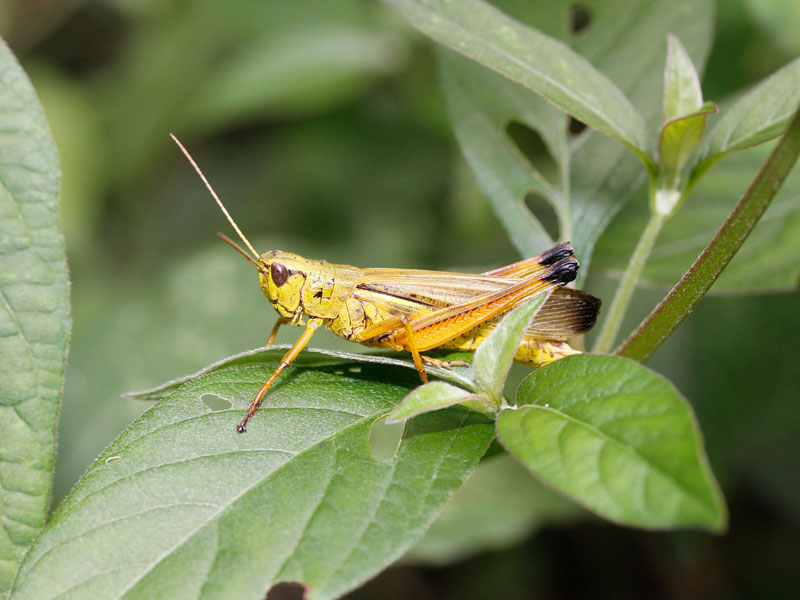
273,335
287,360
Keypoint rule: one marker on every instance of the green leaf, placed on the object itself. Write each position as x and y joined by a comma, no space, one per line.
494,356
500,505
594,174
682,93
537,61
619,439
704,272
479,115
309,357
679,137
760,115
34,314
436,396
631,53
299,497
769,261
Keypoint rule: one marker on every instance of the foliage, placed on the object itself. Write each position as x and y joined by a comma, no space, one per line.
34,315
320,490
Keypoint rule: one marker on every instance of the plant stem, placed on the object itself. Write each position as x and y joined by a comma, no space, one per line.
671,311
622,298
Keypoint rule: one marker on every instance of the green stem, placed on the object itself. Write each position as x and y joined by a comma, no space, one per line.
671,311
622,298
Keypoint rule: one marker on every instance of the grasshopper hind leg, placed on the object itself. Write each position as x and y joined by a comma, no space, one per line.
274,333
412,347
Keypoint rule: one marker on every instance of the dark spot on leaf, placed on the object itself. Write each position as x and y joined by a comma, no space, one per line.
287,590
575,126
532,147
580,17
544,213
215,403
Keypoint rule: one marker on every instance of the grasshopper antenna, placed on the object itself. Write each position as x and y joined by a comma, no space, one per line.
237,247
219,202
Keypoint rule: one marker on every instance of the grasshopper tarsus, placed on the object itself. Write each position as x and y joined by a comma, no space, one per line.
443,364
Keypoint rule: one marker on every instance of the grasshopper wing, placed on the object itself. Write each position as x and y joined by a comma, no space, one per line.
567,312
436,327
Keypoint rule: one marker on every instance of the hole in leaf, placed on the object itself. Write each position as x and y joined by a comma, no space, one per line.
544,213
575,127
533,148
215,403
384,439
287,590
580,17
113,459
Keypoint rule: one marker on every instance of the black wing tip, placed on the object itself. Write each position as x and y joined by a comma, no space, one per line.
589,310
567,312
558,252
594,303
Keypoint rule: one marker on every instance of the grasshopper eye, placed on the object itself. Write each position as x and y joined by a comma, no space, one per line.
279,273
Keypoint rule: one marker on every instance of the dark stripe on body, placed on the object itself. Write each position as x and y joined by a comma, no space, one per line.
407,298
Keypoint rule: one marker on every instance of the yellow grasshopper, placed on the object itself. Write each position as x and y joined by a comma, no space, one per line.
414,310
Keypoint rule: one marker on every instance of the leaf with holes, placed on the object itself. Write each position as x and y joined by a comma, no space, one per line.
585,177
34,315
616,437
299,497
526,55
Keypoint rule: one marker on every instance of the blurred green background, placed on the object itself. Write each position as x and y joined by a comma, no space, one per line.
322,127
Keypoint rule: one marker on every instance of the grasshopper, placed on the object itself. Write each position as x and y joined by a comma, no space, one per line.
414,310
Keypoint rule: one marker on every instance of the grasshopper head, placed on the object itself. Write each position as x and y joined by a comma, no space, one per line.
282,275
